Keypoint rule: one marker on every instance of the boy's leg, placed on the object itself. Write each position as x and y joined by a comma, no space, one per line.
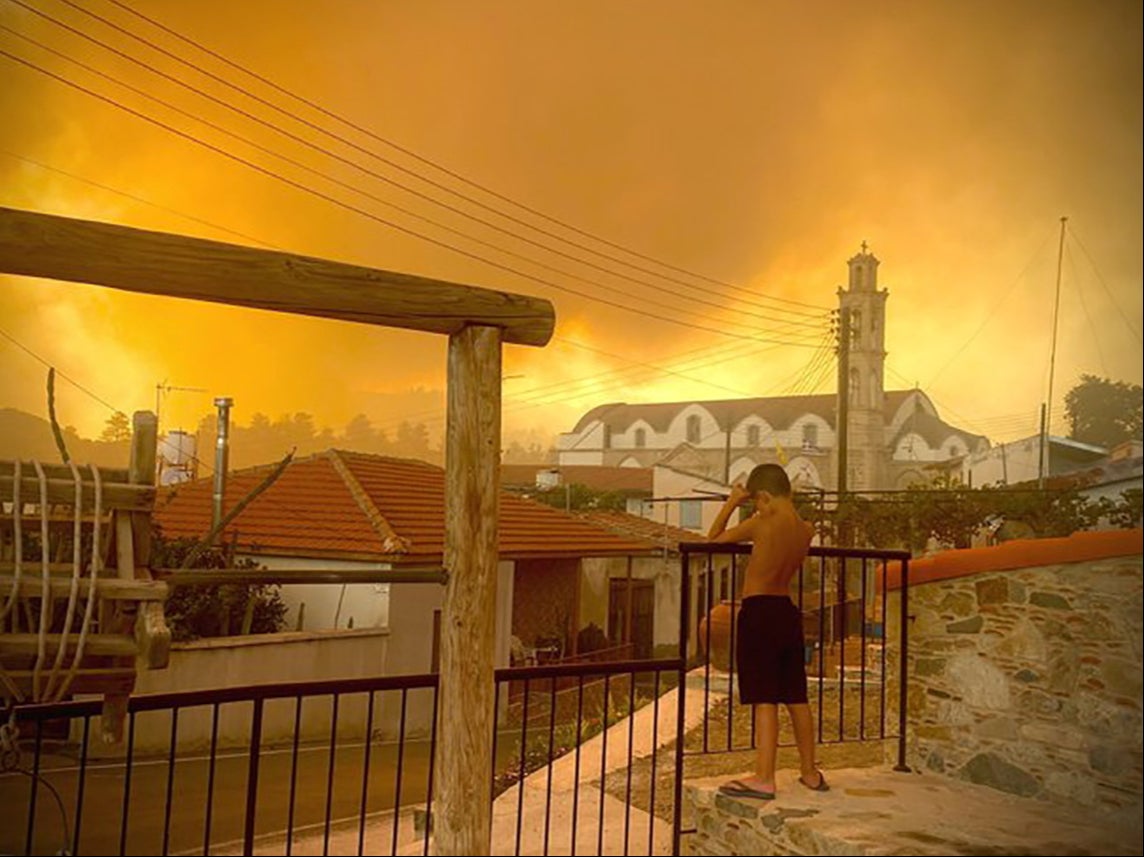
766,742
803,725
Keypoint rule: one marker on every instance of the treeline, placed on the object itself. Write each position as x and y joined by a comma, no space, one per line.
264,439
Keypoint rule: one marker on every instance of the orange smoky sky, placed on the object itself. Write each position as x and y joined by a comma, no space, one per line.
755,144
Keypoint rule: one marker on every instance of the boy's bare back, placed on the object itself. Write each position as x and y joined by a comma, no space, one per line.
779,538
780,541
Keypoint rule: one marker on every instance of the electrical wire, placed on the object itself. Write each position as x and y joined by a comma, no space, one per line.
1072,233
346,161
372,216
406,151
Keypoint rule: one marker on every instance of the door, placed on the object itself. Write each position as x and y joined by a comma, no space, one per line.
638,602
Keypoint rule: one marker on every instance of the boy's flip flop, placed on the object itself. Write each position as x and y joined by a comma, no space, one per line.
738,788
822,786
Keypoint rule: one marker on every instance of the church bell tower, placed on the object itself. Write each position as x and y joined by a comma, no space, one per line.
866,450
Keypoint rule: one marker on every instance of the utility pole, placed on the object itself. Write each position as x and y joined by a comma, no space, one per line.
1047,415
727,451
843,427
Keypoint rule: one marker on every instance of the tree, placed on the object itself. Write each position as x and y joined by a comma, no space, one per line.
117,428
216,610
1104,412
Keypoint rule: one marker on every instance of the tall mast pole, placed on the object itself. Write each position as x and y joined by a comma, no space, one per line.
1053,351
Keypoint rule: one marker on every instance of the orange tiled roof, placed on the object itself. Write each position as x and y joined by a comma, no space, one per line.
348,505
645,528
599,477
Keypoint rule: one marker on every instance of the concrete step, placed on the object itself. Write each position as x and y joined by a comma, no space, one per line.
880,811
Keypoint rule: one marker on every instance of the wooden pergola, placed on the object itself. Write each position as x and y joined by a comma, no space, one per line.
477,321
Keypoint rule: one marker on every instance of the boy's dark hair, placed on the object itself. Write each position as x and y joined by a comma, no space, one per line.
770,478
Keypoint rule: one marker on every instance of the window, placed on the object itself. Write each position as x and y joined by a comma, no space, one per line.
855,385
693,428
752,435
691,514
810,436
641,438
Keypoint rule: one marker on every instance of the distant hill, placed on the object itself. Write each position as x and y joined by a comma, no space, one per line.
26,436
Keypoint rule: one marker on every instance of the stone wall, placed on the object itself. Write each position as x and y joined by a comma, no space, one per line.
1029,680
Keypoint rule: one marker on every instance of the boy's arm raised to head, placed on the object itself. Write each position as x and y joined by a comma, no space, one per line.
738,533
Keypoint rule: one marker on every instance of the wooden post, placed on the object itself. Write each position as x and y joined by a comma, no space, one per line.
462,809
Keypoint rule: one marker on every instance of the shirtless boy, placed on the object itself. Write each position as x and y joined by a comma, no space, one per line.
770,653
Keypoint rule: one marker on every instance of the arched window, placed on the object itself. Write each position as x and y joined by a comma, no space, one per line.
693,428
641,438
810,436
855,387
752,435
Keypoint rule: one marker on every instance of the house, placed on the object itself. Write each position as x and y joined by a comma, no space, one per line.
894,436
1020,460
346,510
635,600
633,484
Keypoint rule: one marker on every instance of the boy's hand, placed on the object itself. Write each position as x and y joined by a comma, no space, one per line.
738,494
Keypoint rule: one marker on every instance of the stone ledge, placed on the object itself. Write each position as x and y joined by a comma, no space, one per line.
880,811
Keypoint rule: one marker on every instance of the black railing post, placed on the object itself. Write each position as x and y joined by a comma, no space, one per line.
903,669
680,694
252,777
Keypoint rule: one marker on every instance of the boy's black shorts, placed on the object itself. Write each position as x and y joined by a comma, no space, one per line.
770,653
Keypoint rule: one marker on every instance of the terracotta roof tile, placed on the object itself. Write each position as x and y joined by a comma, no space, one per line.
312,511
645,528
598,477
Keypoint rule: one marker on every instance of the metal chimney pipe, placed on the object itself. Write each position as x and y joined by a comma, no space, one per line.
222,446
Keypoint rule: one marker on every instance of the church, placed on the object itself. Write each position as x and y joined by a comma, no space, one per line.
896,437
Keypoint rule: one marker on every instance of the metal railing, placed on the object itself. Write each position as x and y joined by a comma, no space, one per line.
340,765
843,595
588,757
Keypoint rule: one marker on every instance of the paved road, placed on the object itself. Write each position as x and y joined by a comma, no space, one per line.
186,829
101,829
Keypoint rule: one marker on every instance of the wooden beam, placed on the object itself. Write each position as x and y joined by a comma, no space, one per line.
106,588
63,248
117,495
462,811
144,449
287,576
95,644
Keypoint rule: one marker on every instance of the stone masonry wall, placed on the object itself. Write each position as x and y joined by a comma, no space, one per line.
1029,681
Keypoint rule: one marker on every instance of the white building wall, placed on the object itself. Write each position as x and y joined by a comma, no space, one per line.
222,662
331,605
1004,464
667,482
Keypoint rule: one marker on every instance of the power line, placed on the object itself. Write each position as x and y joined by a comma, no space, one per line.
134,197
377,218
348,162
697,358
371,134
63,375
295,513
991,311
1084,306
1100,279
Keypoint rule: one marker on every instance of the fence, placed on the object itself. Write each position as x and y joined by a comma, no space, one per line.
857,678
588,757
